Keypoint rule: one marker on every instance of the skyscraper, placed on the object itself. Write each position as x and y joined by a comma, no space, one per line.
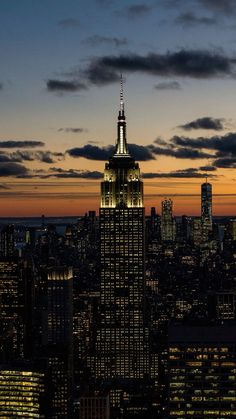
59,339
206,208
21,392
122,335
201,367
11,310
7,241
167,221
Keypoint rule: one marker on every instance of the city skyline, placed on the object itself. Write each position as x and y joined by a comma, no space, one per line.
59,94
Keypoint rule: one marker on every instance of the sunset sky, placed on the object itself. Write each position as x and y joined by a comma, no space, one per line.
59,93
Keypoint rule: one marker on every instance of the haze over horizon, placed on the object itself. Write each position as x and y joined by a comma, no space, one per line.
59,91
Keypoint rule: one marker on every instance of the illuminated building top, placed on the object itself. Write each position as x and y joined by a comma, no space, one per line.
121,144
122,186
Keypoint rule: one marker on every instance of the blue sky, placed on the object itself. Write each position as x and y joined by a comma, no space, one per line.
178,60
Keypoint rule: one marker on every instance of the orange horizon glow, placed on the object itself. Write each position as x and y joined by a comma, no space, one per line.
222,206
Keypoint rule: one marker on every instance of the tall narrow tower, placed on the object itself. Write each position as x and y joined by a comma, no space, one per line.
206,209
122,336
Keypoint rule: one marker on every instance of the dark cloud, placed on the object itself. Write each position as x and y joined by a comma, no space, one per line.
226,163
222,6
73,130
204,123
179,153
93,152
137,10
160,141
187,173
5,158
12,169
172,85
69,23
184,63
96,40
200,64
77,174
21,144
140,152
62,86
1,86
99,74
60,173
189,19
25,155
223,145
49,157
208,168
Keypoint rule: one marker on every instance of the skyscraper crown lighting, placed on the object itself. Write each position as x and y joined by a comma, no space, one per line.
122,185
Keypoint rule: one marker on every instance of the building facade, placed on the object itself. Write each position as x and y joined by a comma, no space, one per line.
21,393
59,339
202,365
122,336
168,227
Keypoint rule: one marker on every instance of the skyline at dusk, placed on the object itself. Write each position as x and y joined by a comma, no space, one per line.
59,92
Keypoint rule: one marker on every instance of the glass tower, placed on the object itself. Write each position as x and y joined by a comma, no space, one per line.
122,335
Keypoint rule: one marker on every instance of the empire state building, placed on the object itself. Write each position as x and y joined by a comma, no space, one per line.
122,335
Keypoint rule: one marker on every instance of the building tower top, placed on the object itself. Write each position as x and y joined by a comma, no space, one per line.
121,143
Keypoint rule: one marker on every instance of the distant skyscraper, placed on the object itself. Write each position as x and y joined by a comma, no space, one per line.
196,231
206,208
167,221
59,339
231,229
122,336
11,311
7,239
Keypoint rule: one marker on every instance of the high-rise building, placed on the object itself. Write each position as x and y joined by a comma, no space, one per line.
11,311
201,370
59,339
96,406
7,241
122,336
167,221
22,393
231,230
196,231
206,209
222,305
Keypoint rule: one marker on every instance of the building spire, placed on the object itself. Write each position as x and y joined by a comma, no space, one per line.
121,144
122,110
